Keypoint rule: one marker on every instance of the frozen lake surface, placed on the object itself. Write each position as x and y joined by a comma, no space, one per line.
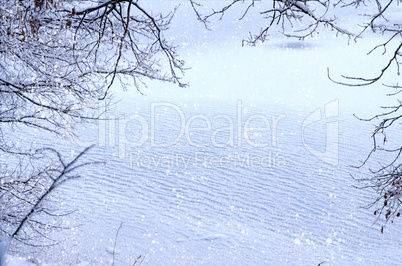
182,204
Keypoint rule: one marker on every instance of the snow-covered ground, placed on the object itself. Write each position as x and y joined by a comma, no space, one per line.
184,204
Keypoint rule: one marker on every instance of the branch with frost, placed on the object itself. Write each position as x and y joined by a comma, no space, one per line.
59,58
287,16
359,81
24,200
